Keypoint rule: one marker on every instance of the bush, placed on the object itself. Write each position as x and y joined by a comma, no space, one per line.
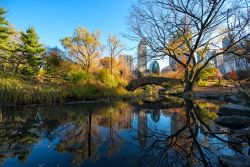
107,79
79,85
76,76
233,75
86,90
202,83
207,73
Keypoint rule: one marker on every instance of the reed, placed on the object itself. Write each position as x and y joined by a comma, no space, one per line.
20,92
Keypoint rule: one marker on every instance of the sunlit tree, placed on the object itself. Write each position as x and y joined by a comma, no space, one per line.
115,48
29,53
83,47
6,34
180,28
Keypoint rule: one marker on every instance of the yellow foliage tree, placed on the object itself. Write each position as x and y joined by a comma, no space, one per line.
83,47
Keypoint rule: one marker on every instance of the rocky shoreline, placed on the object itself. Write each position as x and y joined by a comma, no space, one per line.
236,118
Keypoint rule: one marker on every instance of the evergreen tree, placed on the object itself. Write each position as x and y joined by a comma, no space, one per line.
6,42
30,53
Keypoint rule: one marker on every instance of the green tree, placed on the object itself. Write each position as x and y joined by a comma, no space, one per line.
6,33
29,53
83,47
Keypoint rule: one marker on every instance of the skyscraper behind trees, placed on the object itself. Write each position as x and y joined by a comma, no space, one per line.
142,56
128,60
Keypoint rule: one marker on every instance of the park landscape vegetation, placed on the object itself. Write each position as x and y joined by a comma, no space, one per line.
34,74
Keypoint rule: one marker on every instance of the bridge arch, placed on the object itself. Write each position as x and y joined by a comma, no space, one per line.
136,83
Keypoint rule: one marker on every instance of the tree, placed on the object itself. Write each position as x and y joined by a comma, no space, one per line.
29,53
53,60
180,28
6,33
83,47
105,62
115,48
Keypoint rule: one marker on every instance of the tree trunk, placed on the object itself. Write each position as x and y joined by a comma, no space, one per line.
111,66
188,84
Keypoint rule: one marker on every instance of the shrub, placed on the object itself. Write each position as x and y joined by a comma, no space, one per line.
202,83
107,79
233,75
207,73
82,90
76,76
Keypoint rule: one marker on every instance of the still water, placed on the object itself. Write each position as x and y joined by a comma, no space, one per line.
114,134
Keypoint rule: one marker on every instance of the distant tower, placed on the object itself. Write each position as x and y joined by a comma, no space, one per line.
229,59
142,56
155,67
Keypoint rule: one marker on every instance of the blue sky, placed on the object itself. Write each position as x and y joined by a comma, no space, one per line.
56,19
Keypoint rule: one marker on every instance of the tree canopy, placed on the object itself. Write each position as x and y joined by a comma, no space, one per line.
83,47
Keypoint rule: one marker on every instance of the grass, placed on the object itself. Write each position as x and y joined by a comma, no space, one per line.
20,92
17,91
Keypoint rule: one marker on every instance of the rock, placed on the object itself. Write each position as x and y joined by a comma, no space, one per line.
234,109
242,135
233,122
234,160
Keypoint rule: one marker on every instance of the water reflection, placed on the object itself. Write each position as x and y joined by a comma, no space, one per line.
114,134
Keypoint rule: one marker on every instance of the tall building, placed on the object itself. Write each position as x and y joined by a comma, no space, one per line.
142,127
229,63
142,56
128,59
154,67
172,64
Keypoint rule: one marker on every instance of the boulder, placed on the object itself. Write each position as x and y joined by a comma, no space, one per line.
234,109
234,160
242,135
233,122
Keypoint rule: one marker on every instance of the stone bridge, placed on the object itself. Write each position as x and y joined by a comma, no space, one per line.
136,83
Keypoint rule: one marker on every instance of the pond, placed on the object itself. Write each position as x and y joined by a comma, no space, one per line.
114,134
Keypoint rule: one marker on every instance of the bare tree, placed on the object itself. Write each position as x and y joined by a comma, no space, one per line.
181,28
115,48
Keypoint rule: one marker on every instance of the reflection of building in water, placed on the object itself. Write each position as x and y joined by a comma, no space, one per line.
116,119
142,127
177,122
155,115
126,120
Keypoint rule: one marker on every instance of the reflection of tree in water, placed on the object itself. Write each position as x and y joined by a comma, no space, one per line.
78,126
186,145
115,118
17,133
81,140
84,138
